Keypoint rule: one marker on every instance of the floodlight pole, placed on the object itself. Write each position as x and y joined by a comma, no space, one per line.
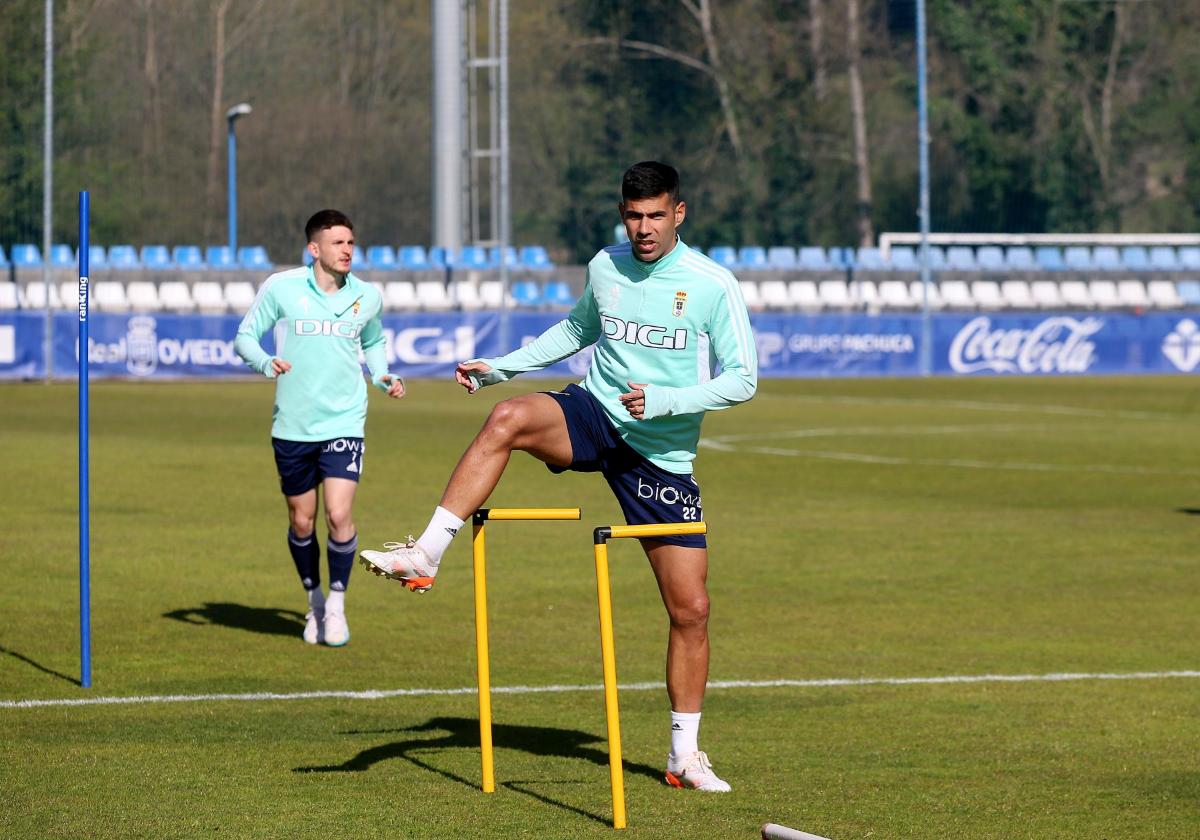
231,116
923,146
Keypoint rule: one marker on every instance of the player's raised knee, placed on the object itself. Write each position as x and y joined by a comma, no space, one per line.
509,418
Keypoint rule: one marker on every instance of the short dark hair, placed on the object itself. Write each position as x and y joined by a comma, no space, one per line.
324,220
649,179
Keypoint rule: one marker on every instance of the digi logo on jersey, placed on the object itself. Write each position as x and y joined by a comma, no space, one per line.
337,329
645,335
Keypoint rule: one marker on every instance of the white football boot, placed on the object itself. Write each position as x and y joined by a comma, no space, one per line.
337,631
695,772
406,562
314,626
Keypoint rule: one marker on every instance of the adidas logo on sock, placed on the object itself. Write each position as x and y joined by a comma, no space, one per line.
452,531
675,727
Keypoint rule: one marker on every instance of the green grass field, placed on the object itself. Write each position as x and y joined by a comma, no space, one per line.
867,529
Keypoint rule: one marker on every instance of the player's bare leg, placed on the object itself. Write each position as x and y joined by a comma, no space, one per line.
682,574
531,423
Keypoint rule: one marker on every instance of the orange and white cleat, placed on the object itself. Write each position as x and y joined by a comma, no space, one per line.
694,772
406,562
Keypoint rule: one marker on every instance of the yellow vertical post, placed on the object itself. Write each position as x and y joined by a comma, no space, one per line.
483,667
611,711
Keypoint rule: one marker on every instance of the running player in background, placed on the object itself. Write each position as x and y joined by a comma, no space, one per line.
326,314
660,314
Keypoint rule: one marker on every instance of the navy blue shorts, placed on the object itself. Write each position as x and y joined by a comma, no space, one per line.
303,465
648,494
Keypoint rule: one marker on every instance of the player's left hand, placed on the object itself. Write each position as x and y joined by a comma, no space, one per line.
635,400
395,386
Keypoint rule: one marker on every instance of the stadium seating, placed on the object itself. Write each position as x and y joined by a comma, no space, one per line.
491,293
143,296
437,257
1045,294
174,295
917,291
187,257
1075,294
97,257
866,294
991,258
1049,258
895,294
4,263
1162,258
904,258
413,258
1132,293
558,293
961,258
1107,258
750,295
1164,294
254,257
400,295
814,259
724,255
782,257
1020,258
26,256
62,256
1017,294
1135,258
834,294
1104,294
123,257
774,294
1078,258
155,257
1189,292
956,294
239,295
433,296
511,258
33,296
526,293
209,297
752,257
534,257
470,257
803,294
220,257
1189,258
8,295
841,258
870,259
987,294
466,295
109,296
381,258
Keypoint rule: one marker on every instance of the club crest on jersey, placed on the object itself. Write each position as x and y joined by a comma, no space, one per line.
680,304
357,306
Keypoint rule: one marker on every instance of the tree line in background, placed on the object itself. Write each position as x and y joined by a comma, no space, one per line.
791,121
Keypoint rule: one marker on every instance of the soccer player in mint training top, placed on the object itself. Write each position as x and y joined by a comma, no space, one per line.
326,315
660,314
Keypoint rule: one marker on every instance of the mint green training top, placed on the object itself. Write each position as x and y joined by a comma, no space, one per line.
323,396
667,324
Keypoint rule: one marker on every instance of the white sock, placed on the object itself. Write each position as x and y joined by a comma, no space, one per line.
685,732
316,599
441,530
336,602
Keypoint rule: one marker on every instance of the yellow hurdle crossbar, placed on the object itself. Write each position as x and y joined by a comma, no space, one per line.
483,666
607,648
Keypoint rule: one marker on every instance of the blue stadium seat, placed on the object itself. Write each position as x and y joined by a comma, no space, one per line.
814,258
870,259
1189,257
753,257
358,258
187,257
62,256
24,255
1136,258
991,258
536,258
4,263
723,255
1049,258
220,256
558,293
97,257
1106,258
961,258
437,257
305,257
1020,258
381,257
526,293
155,256
781,256
904,258
1078,258
123,256
1189,290
1162,258
412,258
841,257
255,257
471,257
512,259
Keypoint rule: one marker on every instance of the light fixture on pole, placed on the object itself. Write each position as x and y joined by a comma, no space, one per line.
231,116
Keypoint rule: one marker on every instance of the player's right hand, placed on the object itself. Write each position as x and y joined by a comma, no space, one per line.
280,366
467,375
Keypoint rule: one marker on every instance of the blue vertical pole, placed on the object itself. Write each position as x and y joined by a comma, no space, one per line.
85,585
232,191
923,145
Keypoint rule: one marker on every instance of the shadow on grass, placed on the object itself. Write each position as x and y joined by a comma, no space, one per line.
454,732
1189,511
269,620
22,657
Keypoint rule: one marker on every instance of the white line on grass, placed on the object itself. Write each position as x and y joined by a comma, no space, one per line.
972,405
384,694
